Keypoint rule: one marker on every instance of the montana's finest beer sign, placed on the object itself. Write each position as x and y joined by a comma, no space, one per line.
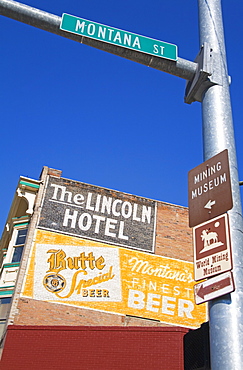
92,275
96,213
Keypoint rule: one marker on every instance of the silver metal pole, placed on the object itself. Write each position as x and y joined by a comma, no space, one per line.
225,313
50,22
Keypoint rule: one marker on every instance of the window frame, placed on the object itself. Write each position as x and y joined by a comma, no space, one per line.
13,243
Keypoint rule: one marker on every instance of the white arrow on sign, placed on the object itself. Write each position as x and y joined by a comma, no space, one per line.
209,204
214,287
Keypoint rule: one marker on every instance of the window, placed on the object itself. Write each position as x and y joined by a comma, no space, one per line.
17,254
5,304
19,245
21,236
4,307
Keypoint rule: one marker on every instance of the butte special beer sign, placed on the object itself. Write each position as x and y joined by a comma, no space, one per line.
93,212
96,276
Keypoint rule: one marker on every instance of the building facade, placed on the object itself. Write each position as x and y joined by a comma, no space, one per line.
78,255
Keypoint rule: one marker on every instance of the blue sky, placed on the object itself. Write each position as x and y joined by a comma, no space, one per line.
102,119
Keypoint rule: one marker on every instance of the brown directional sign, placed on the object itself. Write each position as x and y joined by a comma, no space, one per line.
214,287
209,189
212,250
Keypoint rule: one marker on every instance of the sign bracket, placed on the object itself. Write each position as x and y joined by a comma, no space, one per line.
203,79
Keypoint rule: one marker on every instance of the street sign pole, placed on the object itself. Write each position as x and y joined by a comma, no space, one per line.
182,68
226,324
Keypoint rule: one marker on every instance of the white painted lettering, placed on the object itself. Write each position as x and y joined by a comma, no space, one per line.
115,212
152,285
70,217
102,32
208,185
110,224
156,50
78,199
146,214
135,210
136,43
88,203
126,209
164,288
196,179
127,39
208,172
135,282
223,178
80,26
110,33
98,219
97,204
162,50
106,205
188,290
136,299
176,290
185,308
121,231
85,221
117,37
218,166
63,193
152,301
91,29
166,305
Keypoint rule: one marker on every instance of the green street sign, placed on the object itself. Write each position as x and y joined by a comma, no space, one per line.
117,37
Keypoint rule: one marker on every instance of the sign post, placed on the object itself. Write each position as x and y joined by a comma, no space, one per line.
225,313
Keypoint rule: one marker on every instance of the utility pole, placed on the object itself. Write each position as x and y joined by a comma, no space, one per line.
225,313
208,83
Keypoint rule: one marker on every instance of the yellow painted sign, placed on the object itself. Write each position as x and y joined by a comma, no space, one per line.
98,276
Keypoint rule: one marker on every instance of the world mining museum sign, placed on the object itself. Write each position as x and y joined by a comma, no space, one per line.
209,198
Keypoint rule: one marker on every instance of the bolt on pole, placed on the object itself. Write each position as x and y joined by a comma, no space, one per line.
225,313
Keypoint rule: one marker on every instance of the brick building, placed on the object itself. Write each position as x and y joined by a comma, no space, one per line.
102,277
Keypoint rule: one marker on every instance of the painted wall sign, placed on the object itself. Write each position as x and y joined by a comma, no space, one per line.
96,213
88,274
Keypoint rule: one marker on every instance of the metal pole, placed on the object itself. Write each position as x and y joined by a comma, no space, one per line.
225,313
50,22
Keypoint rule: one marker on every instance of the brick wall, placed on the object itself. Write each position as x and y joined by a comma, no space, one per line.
173,235
33,312
91,348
